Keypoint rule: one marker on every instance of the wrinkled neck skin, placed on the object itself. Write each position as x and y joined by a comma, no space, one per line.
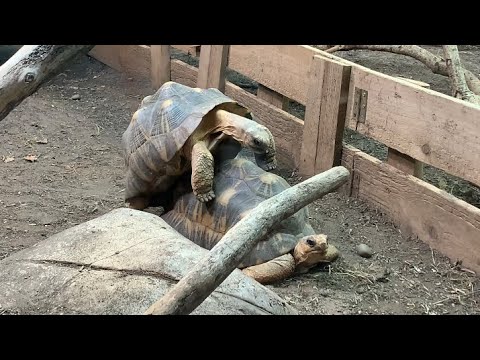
235,126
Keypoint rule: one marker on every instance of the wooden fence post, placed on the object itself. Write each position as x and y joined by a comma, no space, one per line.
325,113
160,65
213,63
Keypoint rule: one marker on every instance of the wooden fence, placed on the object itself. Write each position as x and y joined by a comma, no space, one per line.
417,124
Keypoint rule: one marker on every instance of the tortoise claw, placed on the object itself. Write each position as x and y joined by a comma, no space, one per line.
206,196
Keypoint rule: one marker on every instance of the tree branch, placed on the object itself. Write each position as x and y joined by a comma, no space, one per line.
432,61
29,68
457,75
224,257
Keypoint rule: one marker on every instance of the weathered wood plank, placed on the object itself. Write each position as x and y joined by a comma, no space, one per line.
348,157
436,217
431,127
160,64
212,67
283,68
402,161
272,97
405,163
324,116
133,60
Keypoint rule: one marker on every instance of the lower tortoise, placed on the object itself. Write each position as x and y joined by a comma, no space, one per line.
176,129
292,247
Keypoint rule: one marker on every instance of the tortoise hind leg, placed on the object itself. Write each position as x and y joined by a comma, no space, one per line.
202,172
272,271
134,196
138,202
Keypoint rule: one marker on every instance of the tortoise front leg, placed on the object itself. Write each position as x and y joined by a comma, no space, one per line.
202,172
272,271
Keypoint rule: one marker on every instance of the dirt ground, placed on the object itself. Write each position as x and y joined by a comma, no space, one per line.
78,175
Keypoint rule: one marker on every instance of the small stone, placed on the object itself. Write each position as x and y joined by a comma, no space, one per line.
364,251
75,97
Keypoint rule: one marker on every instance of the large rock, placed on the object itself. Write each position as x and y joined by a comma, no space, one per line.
119,263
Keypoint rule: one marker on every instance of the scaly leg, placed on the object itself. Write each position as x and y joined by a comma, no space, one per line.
202,172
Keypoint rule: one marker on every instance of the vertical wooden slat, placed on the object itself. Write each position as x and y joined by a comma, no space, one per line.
325,114
213,63
272,97
160,69
405,163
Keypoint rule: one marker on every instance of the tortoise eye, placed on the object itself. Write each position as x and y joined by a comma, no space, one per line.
310,242
256,142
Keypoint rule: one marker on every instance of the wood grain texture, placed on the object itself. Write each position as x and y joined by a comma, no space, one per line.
428,126
436,217
272,97
134,60
283,68
212,67
405,163
402,161
324,115
29,68
160,64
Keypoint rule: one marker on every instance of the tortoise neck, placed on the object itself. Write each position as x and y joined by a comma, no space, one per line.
232,124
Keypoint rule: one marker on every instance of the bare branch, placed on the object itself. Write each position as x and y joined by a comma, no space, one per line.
432,61
29,68
457,75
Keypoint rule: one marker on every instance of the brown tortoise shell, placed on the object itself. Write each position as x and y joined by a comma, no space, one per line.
240,185
159,129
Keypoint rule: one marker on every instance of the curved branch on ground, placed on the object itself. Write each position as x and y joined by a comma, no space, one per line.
432,61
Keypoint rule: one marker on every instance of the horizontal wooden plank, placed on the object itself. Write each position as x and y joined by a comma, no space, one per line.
283,68
441,220
434,128
286,129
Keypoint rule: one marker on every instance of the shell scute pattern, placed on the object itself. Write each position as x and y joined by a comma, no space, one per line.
241,185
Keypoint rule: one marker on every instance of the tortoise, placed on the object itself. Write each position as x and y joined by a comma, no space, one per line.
176,129
292,248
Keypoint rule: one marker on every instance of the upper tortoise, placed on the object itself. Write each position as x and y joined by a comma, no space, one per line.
291,247
176,129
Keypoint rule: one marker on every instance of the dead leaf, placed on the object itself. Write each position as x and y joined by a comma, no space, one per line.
43,141
7,159
31,158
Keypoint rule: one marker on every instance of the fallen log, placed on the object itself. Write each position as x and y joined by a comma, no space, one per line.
224,257
29,68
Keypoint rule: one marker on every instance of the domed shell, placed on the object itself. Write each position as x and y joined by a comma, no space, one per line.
240,186
163,123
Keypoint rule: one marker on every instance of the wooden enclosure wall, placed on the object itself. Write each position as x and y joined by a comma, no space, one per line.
417,124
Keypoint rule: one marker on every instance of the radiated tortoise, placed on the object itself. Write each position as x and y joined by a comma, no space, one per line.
293,247
176,129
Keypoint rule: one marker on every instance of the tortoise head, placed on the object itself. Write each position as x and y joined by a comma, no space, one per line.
260,140
312,250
